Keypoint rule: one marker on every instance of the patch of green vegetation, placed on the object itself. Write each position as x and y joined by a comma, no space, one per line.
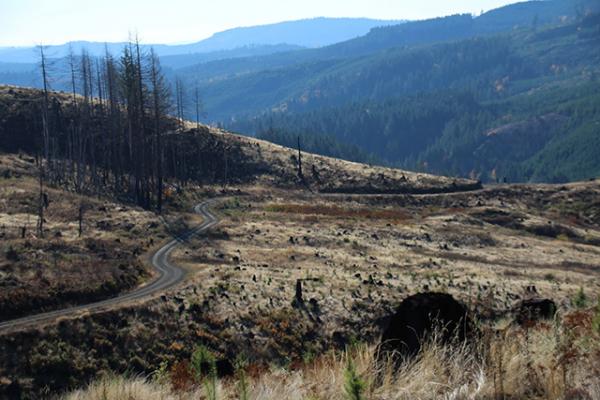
354,385
580,300
204,366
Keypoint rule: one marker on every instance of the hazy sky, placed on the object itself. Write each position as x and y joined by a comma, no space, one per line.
28,22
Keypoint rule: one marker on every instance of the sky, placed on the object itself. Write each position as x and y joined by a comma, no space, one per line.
30,22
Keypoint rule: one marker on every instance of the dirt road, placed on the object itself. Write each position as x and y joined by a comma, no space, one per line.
169,275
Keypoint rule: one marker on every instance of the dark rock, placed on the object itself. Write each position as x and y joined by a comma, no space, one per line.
10,389
225,368
339,339
531,310
417,317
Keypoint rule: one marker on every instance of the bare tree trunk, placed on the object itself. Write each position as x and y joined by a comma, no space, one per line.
40,222
143,192
197,104
225,159
300,175
179,96
72,130
80,219
46,143
160,97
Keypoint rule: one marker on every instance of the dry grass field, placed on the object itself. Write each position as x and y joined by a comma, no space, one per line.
358,257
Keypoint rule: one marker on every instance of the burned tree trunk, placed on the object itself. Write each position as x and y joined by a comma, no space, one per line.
300,175
298,300
80,219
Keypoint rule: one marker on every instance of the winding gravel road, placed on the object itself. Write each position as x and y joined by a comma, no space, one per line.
169,276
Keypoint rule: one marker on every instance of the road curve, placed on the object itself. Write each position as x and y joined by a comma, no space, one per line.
168,276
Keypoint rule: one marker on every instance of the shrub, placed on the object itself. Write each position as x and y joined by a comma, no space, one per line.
204,365
161,375
12,254
354,386
242,385
580,300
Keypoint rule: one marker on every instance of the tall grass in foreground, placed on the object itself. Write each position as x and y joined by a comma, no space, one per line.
548,361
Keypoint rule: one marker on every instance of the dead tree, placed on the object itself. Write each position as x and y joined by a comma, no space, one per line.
300,174
114,119
179,96
226,162
80,218
198,106
45,142
160,107
144,190
45,102
84,126
70,151
40,221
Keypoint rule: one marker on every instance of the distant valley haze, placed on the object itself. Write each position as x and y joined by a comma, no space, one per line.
290,35
184,21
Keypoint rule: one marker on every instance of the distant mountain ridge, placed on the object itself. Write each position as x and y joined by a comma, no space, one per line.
314,32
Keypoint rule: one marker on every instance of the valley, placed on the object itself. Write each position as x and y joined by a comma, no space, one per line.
316,209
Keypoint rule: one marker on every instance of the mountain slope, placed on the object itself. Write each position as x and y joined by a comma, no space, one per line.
521,106
403,54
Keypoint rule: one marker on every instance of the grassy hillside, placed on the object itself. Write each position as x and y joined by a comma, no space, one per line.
67,267
357,258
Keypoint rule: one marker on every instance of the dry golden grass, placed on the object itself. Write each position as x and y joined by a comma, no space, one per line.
360,256
337,211
121,389
531,363
334,175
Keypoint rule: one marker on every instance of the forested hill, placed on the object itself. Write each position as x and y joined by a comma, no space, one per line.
522,105
330,75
